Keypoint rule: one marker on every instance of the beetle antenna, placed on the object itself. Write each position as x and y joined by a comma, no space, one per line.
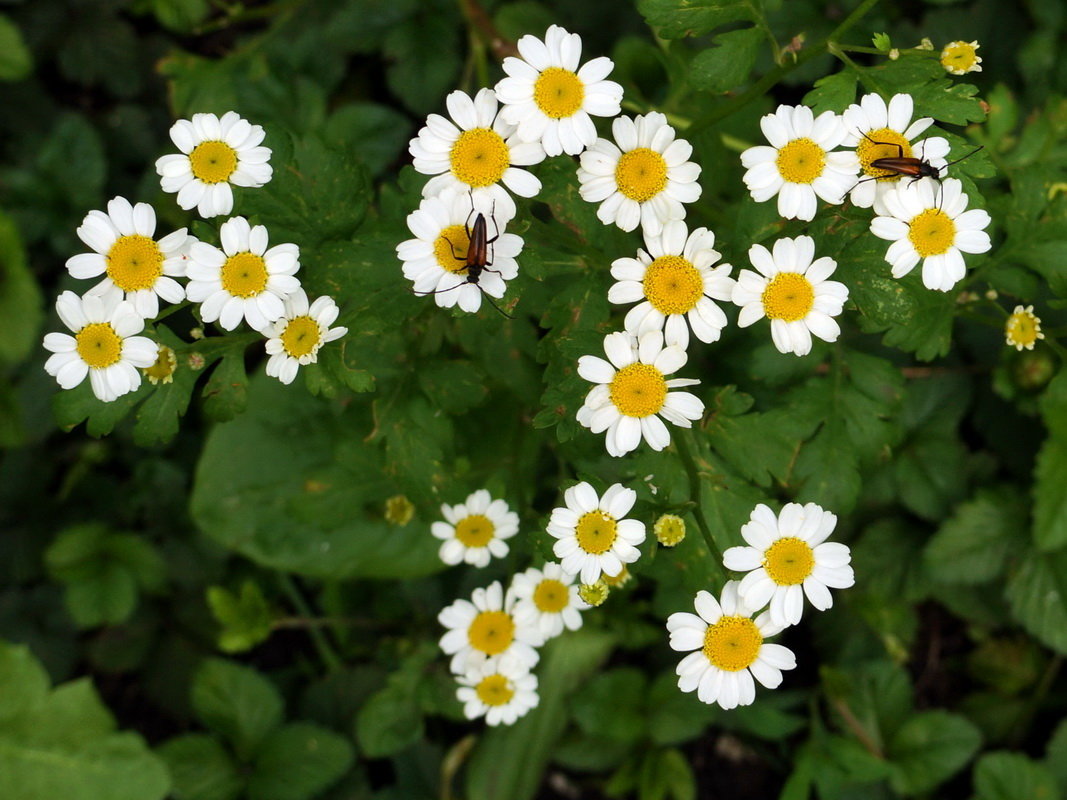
494,305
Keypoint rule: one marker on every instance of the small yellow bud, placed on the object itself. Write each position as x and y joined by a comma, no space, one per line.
669,530
399,510
615,581
925,44
594,593
991,294
163,370
196,333
894,54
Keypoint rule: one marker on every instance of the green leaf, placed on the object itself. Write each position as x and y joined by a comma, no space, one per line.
609,706
245,619
201,768
236,702
973,546
929,748
728,64
950,102
20,296
63,743
882,41
298,761
1036,595
509,762
666,774
833,93
15,59
1056,752
1007,776
677,18
380,133
423,57
673,717
180,15
390,721
1050,501
226,392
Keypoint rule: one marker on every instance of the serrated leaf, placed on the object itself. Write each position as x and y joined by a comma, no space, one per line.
1007,776
929,748
20,297
677,18
1037,597
973,546
15,59
236,702
297,762
390,721
833,93
728,63
226,391
201,768
245,618
610,706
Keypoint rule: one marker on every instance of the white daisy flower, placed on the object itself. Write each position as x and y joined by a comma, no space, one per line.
643,177
788,557
793,292
104,345
244,279
482,155
485,626
675,281
550,99
295,339
933,226
594,536
549,599
501,690
215,153
798,166
436,259
729,650
476,530
134,264
633,392
877,131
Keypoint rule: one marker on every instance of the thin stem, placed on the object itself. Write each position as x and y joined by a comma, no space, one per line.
318,640
164,314
686,455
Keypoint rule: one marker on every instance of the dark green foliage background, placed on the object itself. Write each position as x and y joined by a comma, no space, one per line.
208,603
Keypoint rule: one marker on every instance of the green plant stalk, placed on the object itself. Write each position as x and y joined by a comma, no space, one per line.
318,640
686,455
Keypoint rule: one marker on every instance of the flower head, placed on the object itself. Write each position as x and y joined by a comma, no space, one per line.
104,345
669,530
729,650
1023,328
215,153
788,557
243,280
134,264
675,282
793,292
500,689
399,510
550,99
595,538
485,626
594,594
933,227
436,259
959,58
295,340
632,392
644,176
877,131
549,599
162,371
476,530
798,166
476,152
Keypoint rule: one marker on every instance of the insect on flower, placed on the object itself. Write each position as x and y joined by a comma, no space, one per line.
915,168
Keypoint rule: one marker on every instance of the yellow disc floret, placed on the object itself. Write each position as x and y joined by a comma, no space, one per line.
551,596
163,370
495,690
789,296
732,643
800,161
596,532
492,632
479,157
959,58
98,345
673,285
1023,328
882,143
213,162
789,561
641,174
594,594
638,390
558,93
244,275
669,530
450,248
932,233
475,531
134,262
301,337
399,510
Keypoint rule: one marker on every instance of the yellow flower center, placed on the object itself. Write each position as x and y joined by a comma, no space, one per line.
475,531
883,146
244,275
551,596
495,690
213,162
673,285
301,336
959,57
1023,329
641,174
788,296
789,561
621,579
134,262
491,632
732,643
450,248
801,161
98,345
163,370
638,390
596,532
669,530
399,510
932,233
558,92
479,157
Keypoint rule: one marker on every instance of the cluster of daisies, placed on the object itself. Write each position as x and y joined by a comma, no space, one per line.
244,280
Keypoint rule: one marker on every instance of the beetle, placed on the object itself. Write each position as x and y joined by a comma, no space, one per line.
915,168
479,255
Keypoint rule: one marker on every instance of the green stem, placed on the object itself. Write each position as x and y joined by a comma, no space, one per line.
164,314
686,455
318,640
